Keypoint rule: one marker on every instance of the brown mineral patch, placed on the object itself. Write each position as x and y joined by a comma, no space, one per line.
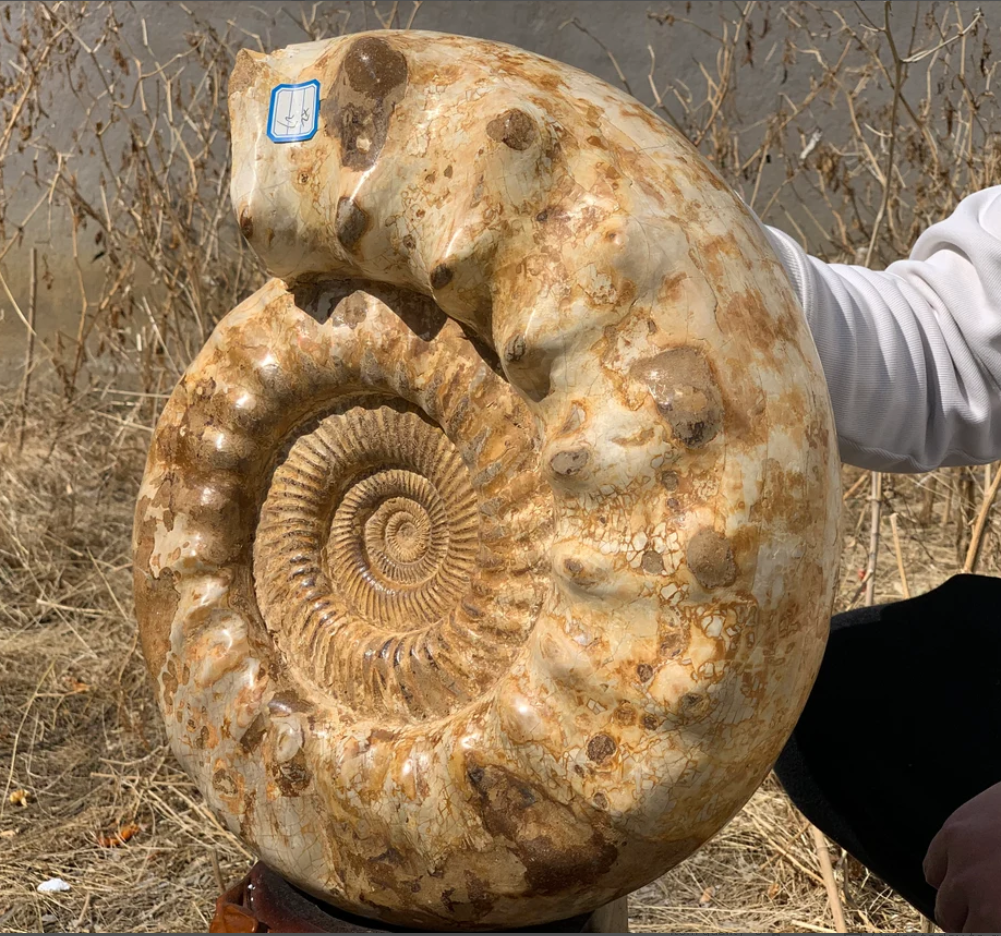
558,849
600,748
682,385
246,223
293,776
784,496
156,600
645,672
253,736
247,816
772,329
710,558
625,714
350,311
351,222
224,783
717,252
472,610
669,480
374,68
673,640
390,856
170,684
694,705
513,128
369,85
652,562
634,441
514,351
480,894
583,576
570,463
286,702
441,276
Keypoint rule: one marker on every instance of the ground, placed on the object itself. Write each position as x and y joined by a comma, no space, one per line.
83,764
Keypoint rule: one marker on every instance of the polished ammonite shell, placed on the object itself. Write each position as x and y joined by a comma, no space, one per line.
484,557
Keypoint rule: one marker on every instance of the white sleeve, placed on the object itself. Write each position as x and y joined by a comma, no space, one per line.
912,354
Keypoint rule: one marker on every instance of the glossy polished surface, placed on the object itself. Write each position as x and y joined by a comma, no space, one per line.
484,560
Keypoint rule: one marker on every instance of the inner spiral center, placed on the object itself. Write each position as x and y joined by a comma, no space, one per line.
392,529
401,529
370,519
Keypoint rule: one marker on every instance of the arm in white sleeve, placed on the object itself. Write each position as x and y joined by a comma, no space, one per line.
912,354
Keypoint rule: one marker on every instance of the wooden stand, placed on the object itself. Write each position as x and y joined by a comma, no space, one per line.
264,902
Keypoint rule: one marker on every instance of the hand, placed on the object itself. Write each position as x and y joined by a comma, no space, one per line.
964,863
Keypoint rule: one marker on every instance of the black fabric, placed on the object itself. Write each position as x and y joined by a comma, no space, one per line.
902,727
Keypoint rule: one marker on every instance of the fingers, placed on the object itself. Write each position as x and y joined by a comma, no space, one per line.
936,861
963,863
952,908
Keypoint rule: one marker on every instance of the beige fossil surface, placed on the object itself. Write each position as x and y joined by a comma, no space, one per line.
484,556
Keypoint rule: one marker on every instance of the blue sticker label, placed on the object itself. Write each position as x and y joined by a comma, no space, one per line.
294,113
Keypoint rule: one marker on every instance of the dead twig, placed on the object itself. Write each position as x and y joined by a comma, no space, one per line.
577,24
854,489
217,871
827,871
973,552
875,502
84,910
900,557
29,348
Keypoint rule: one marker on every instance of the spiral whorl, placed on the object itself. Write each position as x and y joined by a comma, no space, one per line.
368,539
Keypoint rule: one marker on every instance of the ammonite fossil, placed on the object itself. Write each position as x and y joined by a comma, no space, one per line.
484,556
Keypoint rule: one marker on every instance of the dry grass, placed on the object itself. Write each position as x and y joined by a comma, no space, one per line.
80,734
78,728
761,874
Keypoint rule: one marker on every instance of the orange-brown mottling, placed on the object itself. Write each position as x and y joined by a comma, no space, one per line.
484,557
